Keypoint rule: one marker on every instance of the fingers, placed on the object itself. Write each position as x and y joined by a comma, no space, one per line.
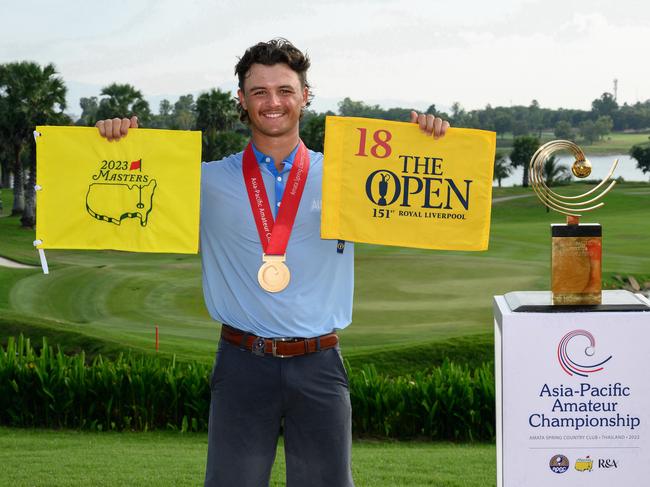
124,127
437,126
101,126
430,124
116,128
426,123
443,128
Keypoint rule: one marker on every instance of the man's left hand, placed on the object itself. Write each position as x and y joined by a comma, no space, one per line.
430,124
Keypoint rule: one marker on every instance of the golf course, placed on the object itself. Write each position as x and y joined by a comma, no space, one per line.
404,298
413,311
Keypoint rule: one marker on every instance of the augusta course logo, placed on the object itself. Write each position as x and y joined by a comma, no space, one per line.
584,464
582,364
118,191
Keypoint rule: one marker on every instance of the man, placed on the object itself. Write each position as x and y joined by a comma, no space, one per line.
278,364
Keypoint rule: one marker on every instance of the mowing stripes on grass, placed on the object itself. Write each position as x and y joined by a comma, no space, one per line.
50,389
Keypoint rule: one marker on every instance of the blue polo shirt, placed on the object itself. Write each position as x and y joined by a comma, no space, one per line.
318,298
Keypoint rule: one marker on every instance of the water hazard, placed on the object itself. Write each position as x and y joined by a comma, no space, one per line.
600,167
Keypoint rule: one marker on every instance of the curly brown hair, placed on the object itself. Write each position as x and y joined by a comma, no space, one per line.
275,51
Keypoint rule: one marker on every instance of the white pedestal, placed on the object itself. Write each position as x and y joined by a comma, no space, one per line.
573,397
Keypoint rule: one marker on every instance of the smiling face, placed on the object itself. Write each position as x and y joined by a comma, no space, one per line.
274,98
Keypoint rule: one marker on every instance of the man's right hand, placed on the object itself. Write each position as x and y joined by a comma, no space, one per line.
116,128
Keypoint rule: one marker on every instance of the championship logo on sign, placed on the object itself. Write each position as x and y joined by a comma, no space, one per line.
386,183
140,194
586,365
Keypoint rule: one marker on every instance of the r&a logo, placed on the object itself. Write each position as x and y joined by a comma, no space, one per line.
607,463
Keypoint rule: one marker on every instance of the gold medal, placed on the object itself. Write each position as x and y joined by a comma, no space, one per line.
274,274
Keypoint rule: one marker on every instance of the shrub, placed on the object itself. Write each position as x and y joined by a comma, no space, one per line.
450,403
50,389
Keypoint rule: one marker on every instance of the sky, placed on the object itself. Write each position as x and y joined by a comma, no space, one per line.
392,53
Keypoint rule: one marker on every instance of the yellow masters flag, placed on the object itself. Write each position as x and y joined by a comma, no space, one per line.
387,183
140,194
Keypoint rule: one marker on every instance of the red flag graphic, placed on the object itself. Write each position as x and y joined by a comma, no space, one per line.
135,165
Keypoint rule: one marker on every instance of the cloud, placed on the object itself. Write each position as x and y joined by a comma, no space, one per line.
508,51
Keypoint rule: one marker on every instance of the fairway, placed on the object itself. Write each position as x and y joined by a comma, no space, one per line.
403,297
612,143
65,458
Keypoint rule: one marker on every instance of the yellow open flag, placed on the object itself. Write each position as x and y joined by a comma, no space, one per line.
386,183
140,194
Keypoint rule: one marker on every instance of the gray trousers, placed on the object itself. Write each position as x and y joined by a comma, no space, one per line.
253,396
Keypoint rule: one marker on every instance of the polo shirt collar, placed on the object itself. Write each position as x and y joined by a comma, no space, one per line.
266,160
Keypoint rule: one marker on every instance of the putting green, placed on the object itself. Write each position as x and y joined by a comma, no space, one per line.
402,296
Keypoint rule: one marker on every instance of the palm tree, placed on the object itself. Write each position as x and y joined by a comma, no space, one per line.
29,96
523,148
554,173
122,101
89,107
184,114
5,157
501,168
13,127
217,117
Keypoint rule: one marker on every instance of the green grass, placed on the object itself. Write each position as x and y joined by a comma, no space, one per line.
70,342
407,301
616,143
65,458
472,350
7,199
613,143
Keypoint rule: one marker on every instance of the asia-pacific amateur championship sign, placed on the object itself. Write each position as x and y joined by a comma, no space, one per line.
139,194
387,183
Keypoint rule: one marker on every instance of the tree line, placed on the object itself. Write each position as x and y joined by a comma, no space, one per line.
525,123
588,125
32,95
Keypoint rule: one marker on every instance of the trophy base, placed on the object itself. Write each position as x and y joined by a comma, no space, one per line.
540,302
576,264
576,299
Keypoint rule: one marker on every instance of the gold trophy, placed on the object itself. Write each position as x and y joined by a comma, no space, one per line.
576,253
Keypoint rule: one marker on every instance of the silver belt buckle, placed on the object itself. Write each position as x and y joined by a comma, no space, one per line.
274,347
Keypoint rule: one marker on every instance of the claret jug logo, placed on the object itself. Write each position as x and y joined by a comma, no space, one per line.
118,192
383,178
584,365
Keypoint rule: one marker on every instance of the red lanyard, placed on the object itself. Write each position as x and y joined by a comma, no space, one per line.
274,235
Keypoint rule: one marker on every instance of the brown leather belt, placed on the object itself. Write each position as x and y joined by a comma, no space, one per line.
278,347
